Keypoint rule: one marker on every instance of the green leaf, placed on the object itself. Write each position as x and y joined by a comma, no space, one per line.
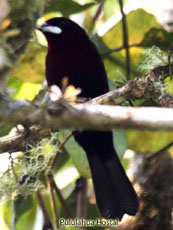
114,39
25,211
5,129
89,22
46,198
120,142
101,46
67,190
111,7
21,205
111,85
6,213
31,66
66,175
169,85
145,141
157,37
23,90
79,158
67,7
122,77
63,158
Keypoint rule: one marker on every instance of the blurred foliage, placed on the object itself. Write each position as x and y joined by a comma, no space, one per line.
7,212
120,142
137,25
33,64
25,211
169,85
115,61
5,129
107,12
153,57
159,37
23,90
26,80
147,141
67,7
78,157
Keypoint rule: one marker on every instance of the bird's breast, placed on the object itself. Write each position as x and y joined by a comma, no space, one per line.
83,68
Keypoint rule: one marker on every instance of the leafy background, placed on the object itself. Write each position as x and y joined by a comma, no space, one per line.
27,78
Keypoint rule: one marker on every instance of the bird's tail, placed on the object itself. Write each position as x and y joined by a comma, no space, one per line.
114,192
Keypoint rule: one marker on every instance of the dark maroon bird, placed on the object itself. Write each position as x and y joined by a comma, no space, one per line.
72,54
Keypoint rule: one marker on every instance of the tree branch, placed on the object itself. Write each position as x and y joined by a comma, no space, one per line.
18,139
97,117
99,10
149,86
59,114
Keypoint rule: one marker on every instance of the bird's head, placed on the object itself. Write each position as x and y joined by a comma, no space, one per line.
62,32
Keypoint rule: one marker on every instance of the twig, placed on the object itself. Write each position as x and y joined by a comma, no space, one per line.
64,205
81,203
51,184
99,10
47,222
125,39
119,49
140,161
53,160
161,151
13,169
52,200
13,218
170,50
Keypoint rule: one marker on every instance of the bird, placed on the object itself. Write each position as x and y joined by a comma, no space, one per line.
72,54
